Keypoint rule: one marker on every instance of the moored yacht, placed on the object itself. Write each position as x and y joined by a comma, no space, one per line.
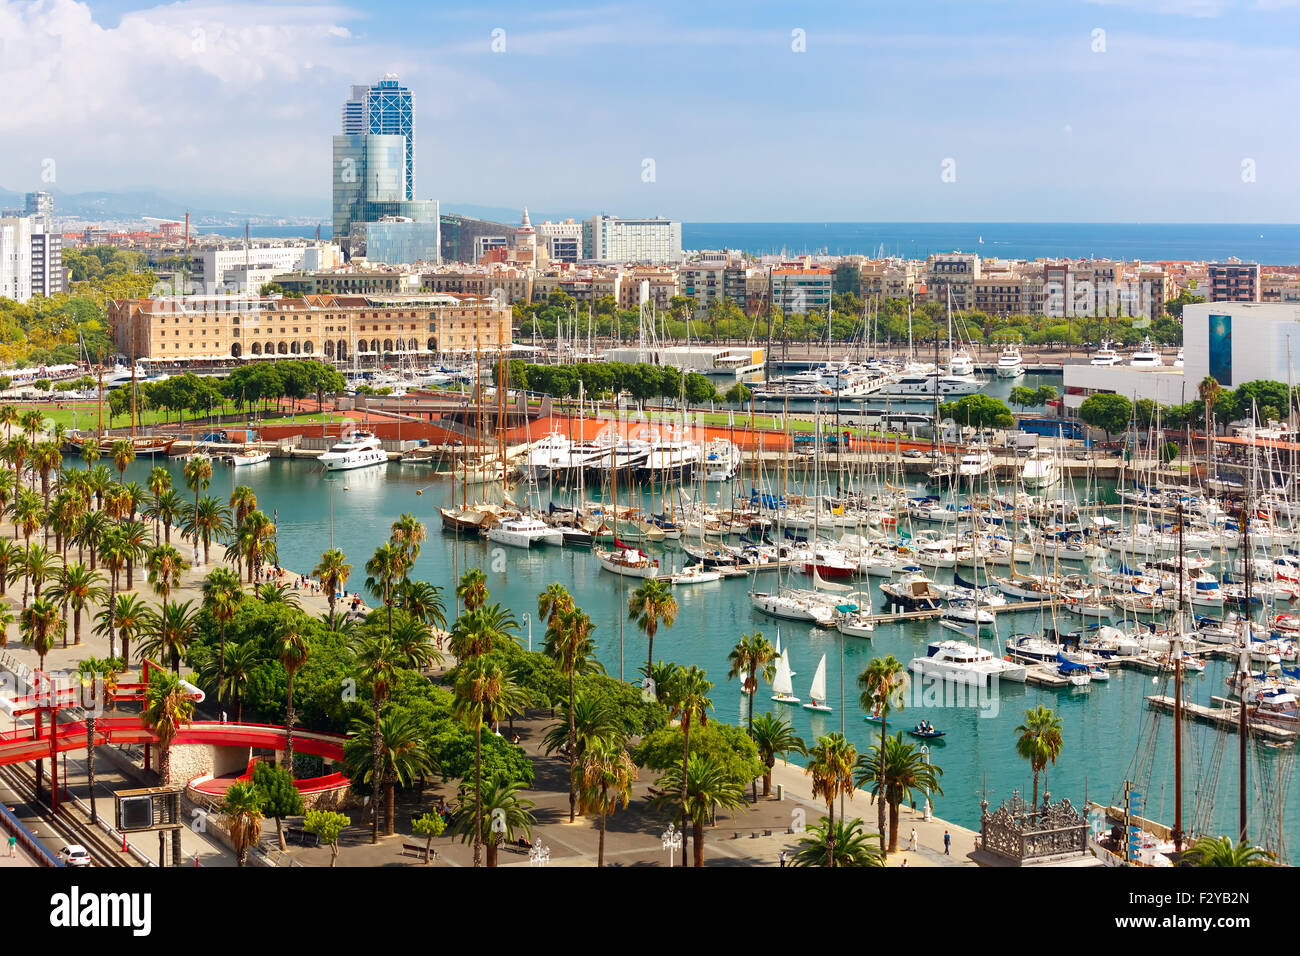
524,531
1105,356
359,451
1010,364
1146,356
1041,469
965,663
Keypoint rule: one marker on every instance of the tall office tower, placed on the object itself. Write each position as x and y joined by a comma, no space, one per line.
41,205
367,170
385,109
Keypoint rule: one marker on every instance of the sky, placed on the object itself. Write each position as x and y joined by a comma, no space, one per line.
938,110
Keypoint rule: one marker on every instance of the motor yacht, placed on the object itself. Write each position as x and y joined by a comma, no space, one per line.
1146,356
965,663
360,451
1010,364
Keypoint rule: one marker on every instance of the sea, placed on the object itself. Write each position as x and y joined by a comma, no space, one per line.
1266,243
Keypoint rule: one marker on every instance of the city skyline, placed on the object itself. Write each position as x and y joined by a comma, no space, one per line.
1100,111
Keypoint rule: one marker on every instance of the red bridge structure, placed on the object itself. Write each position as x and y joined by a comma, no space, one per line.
47,736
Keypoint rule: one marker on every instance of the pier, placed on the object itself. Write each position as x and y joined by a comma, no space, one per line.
1226,716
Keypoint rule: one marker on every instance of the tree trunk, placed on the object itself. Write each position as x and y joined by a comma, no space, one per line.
492,844
600,852
893,828
390,809
90,768
1034,805
478,789
376,754
279,832
880,798
573,754
830,831
698,828
686,752
767,782
288,729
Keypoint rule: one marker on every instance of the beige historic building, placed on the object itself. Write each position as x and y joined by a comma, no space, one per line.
219,328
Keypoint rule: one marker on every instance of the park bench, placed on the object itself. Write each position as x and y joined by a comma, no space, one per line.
301,837
418,849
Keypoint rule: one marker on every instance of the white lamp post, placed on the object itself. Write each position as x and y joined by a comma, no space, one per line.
672,841
528,619
925,755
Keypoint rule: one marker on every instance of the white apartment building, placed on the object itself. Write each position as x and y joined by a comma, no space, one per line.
561,240
647,241
212,268
16,258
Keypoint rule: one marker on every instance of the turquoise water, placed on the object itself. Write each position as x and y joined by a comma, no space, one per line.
1106,726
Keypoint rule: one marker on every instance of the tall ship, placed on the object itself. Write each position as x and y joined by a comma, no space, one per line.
361,450
144,446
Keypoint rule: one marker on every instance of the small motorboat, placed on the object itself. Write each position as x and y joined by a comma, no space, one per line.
695,574
875,717
926,731
244,458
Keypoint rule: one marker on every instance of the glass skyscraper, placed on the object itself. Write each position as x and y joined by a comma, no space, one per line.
385,109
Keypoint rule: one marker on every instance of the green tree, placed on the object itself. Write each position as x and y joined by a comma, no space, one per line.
1221,851
280,798
1040,741
896,777
327,825
883,684
774,736
689,702
705,788
604,780
651,603
834,843
830,766
242,809
1106,410
428,825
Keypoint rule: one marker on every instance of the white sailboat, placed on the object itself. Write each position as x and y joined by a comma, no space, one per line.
817,693
783,680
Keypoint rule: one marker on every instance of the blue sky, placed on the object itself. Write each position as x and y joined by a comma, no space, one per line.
1043,117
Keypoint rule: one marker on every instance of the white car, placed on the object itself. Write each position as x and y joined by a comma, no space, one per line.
75,855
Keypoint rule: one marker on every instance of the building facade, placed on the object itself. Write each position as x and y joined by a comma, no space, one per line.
646,241
329,327
385,109
16,258
1233,282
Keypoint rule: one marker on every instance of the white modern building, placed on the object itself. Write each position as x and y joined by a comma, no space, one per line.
16,258
651,241
212,268
1239,342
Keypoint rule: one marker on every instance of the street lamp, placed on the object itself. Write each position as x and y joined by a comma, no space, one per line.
539,855
925,755
528,619
672,841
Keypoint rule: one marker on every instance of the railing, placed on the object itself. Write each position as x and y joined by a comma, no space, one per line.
33,846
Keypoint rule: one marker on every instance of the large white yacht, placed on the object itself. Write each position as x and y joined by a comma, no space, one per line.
360,451
1041,469
1146,356
976,463
1105,356
961,363
965,663
924,384
1010,364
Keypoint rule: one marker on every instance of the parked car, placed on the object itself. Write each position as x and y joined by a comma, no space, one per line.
75,855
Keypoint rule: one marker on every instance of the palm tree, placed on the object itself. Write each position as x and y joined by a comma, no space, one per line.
208,521
100,481
688,699
28,515
1209,391
135,542
11,556
552,601
243,502
38,564
899,776
17,451
1221,851
774,736
403,756
569,644
706,788
385,568
8,488
831,769
39,623
222,594
292,650
377,662
480,686
94,526
9,417
165,566
273,592
883,683
472,589
159,483
123,453
423,602
503,814
753,655
76,588
651,603
242,808
1040,741
409,533
414,643
661,678
198,472
478,631
838,844
240,662
332,572
166,510
92,670
46,458
125,615
171,629
167,707
604,780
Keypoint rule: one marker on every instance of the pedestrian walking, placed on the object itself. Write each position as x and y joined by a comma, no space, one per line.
947,843
13,846
911,844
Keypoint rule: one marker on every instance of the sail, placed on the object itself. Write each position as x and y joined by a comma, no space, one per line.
818,690
782,682
821,584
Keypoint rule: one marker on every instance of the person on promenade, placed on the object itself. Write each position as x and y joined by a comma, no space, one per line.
947,843
911,844
13,845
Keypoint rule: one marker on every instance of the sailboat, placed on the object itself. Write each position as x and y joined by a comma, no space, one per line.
817,693
783,680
